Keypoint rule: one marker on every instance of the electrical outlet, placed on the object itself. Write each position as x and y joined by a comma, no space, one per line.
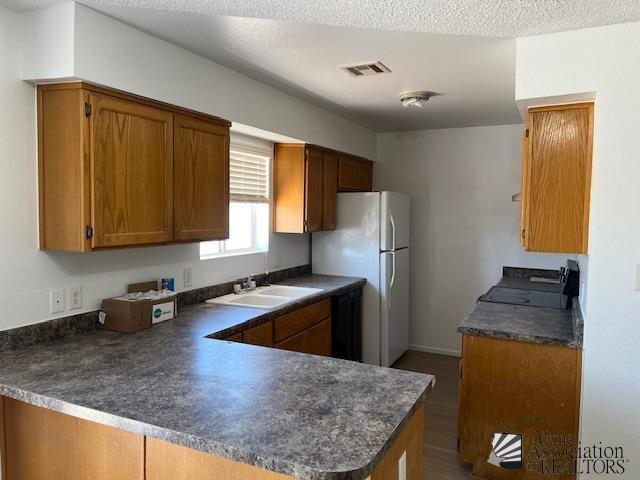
188,279
56,300
75,298
402,466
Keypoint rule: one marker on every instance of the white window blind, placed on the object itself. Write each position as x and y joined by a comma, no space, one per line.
248,177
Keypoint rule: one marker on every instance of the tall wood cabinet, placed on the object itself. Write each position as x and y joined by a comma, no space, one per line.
307,179
556,178
118,170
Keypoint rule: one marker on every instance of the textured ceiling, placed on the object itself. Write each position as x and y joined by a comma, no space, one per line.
493,18
454,47
474,75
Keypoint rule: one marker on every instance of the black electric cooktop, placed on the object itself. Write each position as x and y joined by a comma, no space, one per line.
527,298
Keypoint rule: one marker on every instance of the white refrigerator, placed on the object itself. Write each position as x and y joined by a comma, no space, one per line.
372,241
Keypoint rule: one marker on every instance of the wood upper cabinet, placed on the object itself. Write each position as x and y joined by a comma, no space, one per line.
118,170
307,179
556,178
298,188
313,190
355,174
201,172
329,190
131,152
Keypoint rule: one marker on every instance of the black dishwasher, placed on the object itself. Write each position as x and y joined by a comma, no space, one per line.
346,325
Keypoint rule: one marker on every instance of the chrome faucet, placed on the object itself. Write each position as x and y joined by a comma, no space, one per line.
248,286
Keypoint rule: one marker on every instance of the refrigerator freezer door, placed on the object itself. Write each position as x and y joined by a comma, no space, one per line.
394,309
353,249
394,221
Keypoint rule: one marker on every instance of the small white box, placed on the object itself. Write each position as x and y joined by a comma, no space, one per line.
162,312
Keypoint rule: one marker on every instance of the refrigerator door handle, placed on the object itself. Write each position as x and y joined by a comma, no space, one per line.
393,230
392,281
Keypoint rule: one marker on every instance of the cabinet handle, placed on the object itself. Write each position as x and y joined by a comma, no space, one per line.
523,233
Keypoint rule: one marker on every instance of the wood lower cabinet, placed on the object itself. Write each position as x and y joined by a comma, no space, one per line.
295,343
166,461
261,335
201,164
516,387
41,444
117,170
301,319
556,178
317,339
307,330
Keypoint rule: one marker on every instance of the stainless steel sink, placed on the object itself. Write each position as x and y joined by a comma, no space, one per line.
266,298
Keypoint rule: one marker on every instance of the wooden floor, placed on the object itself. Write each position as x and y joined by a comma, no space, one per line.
441,415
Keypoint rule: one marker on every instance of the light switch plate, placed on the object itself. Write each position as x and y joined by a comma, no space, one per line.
56,300
637,286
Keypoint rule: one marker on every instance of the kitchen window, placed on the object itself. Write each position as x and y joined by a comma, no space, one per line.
248,207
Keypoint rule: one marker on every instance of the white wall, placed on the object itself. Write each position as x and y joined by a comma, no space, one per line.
27,273
464,225
108,52
604,60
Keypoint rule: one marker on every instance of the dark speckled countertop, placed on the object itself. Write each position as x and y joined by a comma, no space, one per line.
526,324
306,416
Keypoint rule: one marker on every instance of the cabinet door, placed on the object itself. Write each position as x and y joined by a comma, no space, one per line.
500,387
524,192
330,191
166,461
201,186
347,173
294,344
559,178
45,445
260,335
131,152
313,190
364,176
317,339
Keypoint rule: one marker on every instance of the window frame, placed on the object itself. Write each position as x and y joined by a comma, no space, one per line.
252,146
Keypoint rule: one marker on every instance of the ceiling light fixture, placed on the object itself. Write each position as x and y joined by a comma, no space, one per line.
415,99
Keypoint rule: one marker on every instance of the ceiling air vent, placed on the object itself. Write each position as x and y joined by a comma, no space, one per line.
367,69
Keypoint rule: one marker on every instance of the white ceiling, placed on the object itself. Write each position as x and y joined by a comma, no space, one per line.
474,75
302,55
495,18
